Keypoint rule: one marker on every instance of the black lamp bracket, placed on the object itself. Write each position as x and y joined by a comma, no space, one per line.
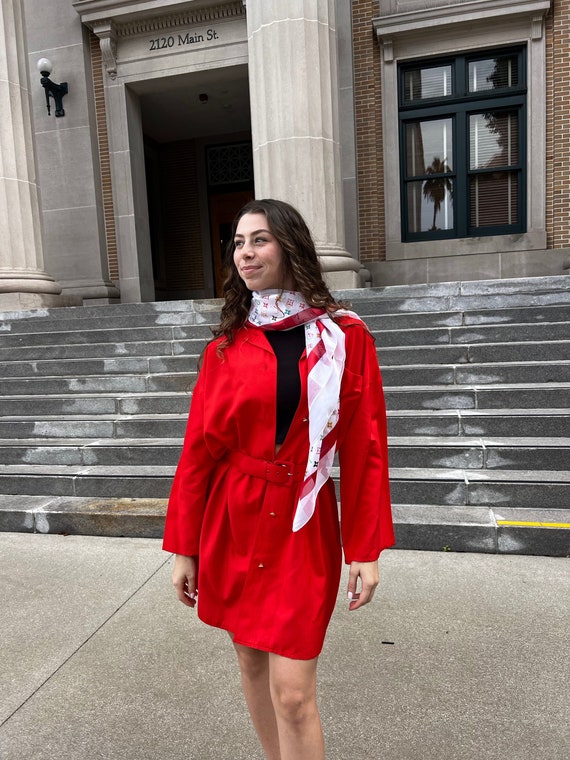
57,91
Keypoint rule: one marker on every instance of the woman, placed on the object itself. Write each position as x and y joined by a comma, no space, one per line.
290,379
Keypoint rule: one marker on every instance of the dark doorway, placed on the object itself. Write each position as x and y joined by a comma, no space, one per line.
223,209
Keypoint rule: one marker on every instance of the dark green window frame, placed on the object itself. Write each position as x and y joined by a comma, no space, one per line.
452,180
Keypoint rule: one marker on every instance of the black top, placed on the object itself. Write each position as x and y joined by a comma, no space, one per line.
287,345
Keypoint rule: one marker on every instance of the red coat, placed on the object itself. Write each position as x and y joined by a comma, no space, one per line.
273,589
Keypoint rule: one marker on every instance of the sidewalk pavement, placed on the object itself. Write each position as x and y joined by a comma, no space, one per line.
459,657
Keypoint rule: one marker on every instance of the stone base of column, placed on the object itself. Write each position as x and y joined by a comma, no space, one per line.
91,292
27,301
340,270
25,289
342,280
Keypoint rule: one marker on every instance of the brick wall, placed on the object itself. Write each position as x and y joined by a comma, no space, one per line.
104,161
558,125
368,117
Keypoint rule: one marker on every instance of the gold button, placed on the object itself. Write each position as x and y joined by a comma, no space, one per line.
260,564
272,514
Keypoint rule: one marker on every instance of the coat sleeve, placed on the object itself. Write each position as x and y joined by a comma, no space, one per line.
366,514
190,486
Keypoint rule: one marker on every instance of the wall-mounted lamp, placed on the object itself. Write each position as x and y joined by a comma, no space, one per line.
57,91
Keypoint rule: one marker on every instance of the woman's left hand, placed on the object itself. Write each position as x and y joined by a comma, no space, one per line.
369,577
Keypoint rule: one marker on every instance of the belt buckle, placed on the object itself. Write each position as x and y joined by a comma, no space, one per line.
278,473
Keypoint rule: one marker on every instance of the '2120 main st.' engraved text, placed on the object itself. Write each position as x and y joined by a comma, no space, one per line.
161,43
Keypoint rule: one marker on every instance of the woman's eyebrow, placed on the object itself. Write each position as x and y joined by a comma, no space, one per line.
255,232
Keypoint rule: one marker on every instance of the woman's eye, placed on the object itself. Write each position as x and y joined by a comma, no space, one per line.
238,243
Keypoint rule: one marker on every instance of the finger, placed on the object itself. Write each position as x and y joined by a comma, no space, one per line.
366,594
182,586
352,581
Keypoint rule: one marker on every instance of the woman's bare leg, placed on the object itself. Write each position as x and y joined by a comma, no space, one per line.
254,667
293,685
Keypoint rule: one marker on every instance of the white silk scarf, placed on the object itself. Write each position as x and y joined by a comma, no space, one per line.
324,341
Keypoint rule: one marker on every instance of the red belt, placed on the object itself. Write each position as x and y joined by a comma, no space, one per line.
280,473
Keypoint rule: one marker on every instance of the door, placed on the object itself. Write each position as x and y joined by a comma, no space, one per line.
223,209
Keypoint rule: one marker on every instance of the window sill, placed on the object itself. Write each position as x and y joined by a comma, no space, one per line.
527,241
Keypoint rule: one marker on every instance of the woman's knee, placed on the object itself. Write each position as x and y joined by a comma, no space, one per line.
293,690
293,704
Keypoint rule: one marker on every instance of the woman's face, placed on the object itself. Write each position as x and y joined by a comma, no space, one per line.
258,257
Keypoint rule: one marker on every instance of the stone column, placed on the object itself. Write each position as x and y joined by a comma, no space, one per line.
23,282
293,82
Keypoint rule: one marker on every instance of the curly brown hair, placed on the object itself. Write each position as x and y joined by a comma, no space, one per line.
301,261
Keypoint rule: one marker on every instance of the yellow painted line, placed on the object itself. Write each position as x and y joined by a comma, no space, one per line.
533,524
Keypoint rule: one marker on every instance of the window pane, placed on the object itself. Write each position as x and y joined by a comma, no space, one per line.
494,73
494,199
430,205
429,147
493,139
433,82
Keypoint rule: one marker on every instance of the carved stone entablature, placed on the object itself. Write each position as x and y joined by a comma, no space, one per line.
187,18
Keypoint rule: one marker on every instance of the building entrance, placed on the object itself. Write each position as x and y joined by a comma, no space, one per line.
199,172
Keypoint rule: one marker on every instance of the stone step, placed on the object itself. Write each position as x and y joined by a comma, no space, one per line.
109,350
526,423
480,453
425,527
97,342
475,354
483,488
77,343
166,312
532,396
34,406
536,396
537,531
491,334
166,341
137,365
123,336
163,452
518,315
485,295
477,374
487,423
391,304
391,348
419,373
96,384
419,452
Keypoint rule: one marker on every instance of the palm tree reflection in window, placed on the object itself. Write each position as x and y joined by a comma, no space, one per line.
435,189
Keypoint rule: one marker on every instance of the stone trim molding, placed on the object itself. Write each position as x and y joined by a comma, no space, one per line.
129,23
200,15
473,10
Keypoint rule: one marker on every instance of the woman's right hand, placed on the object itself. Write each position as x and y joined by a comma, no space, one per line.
185,579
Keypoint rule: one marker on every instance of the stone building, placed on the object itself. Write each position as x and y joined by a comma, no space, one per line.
424,140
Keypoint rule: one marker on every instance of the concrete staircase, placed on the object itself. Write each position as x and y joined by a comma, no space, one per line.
93,404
